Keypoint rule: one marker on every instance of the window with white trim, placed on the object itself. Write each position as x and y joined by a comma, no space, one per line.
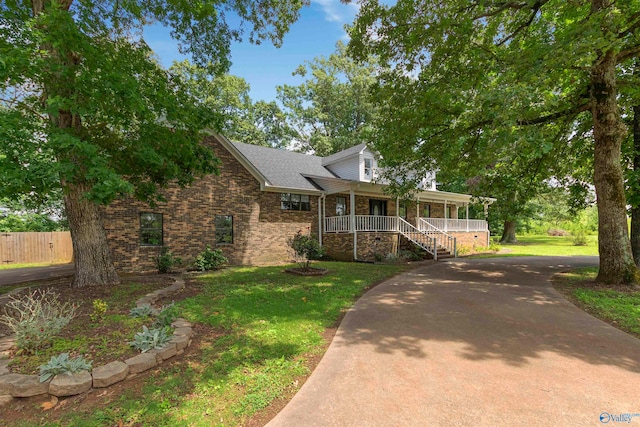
368,168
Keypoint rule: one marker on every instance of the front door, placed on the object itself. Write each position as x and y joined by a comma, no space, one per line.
377,207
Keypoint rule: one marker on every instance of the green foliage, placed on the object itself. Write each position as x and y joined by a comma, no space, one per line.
332,109
306,248
166,315
142,311
88,111
240,119
30,222
63,365
36,318
579,238
165,261
488,91
150,339
99,309
210,259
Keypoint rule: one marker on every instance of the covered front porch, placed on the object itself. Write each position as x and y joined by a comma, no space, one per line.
430,220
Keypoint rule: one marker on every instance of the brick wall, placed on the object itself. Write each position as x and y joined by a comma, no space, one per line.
339,246
260,227
472,239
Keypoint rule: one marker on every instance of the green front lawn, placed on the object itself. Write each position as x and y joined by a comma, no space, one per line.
619,307
268,325
543,245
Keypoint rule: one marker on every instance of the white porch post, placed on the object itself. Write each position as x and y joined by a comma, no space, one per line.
445,216
352,214
466,205
397,206
320,218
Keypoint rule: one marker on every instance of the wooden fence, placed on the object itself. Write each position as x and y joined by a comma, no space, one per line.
32,247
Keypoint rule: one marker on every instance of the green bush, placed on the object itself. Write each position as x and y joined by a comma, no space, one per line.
36,318
99,309
149,339
210,259
579,238
63,365
166,261
142,311
165,317
306,248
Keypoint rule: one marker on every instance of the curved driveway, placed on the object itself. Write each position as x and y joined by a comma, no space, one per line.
478,342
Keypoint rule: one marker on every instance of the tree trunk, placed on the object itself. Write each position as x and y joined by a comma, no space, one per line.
635,211
616,260
91,254
509,232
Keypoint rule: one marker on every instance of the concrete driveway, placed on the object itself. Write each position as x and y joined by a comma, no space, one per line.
34,274
478,342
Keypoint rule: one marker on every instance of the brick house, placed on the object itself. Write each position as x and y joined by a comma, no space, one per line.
263,196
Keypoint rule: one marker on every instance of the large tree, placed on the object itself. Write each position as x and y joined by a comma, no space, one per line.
239,117
470,78
332,109
86,108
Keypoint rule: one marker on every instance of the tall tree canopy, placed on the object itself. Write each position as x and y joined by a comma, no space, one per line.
86,108
239,118
471,78
332,109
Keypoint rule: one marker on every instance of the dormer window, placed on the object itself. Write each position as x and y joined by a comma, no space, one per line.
368,168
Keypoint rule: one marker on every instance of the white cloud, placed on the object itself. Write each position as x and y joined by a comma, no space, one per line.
334,11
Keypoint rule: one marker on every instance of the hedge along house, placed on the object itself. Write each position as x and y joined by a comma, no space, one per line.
263,196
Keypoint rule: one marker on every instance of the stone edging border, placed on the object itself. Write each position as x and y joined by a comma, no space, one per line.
21,385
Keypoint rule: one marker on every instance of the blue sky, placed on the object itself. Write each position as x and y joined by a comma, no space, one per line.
316,32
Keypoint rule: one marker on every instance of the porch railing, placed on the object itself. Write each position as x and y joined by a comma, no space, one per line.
445,240
446,224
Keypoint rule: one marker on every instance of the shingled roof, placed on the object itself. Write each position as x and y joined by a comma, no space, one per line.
282,168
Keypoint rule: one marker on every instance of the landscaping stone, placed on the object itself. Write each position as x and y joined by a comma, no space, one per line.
5,354
4,366
141,362
7,343
5,400
183,331
181,323
181,341
111,373
19,385
69,385
169,350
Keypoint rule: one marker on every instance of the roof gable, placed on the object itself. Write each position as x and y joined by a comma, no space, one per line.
282,168
355,150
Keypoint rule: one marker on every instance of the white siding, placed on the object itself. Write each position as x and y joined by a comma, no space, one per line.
347,168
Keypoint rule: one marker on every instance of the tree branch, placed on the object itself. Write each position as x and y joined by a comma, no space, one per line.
627,54
586,106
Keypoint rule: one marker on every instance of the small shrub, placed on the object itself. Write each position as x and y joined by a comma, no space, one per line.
306,248
166,261
579,238
210,259
392,258
409,255
36,318
99,309
463,250
165,317
63,365
142,311
378,257
149,339
495,247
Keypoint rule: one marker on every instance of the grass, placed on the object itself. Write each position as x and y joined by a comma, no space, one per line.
543,245
269,324
619,306
27,265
